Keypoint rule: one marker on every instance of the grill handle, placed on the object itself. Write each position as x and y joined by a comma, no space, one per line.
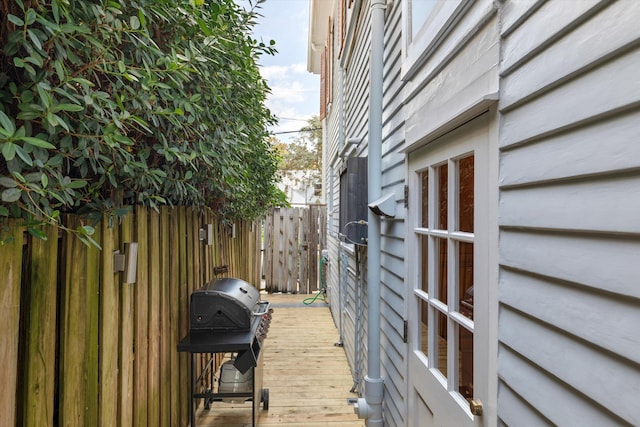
264,307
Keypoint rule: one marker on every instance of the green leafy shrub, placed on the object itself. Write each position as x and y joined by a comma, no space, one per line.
105,104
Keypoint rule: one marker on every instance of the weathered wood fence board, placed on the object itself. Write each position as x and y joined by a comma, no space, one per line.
174,318
85,348
109,329
153,325
141,303
305,268
10,272
79,334
183,313
166,339
127,335
40,332
267,252
292,247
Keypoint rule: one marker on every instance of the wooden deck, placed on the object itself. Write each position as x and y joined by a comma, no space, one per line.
307,376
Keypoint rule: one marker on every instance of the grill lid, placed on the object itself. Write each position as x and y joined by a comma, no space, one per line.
224,304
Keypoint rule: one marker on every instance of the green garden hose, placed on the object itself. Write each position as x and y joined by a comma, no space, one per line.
323,286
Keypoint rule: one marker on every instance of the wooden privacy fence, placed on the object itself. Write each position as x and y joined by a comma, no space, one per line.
79,347
293,241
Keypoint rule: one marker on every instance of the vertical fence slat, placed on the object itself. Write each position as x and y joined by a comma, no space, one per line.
174,317
209,260
154,319
79,335
294,251
195,244
267,258
165,321
10,273
313,248
109,326
127,333
234,245
184,358
141,399
306,249
287,228
322,227
257,251
40,352
279,265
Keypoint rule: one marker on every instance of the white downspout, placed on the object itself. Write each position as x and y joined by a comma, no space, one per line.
370,407
342,285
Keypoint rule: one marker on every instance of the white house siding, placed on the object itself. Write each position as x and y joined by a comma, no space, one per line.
346,293
433,98
356,109
569,213
393,290
355,106
457,81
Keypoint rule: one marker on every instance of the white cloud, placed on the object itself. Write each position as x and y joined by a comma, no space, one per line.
300,67
274,71
282,72
293,92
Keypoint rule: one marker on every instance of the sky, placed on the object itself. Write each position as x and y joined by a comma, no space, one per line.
294,94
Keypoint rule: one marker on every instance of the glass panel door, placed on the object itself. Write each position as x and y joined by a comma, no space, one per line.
446,268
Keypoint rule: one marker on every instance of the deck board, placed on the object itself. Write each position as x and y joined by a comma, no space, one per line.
307,376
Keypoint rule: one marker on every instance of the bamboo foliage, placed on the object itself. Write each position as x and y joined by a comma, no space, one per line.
97,350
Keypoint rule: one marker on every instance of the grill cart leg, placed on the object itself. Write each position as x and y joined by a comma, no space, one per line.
208,399
253,399
265,399
193,388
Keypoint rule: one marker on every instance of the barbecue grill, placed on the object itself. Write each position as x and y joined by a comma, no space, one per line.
227,316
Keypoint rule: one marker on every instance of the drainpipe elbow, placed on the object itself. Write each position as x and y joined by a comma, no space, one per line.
370,407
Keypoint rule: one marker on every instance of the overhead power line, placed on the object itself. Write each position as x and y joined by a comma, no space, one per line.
289,118
295,131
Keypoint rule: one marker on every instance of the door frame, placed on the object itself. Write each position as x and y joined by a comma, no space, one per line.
484,127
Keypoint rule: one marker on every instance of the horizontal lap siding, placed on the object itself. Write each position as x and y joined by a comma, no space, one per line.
331,182
351,310
393,307
356,108
569,176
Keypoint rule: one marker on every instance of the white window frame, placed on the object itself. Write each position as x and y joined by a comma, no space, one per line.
441,20
449,307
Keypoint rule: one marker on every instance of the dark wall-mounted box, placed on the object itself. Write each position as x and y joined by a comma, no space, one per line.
354,200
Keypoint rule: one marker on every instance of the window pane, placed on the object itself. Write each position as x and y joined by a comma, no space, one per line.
465,362
441,269
465,202
420,10
443,188
425,199
424,262
424,330
441,346
465,279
